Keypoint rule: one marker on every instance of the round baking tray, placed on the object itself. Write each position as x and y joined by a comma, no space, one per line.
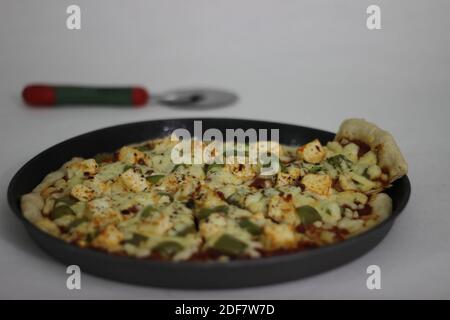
191,274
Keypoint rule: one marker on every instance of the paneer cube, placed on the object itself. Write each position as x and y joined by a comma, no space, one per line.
288,178
312,152
242,171
256,202
279,236
213,226
317,183
100,187
82,193
170,183
281,209
186,189
157,225
99,206
82,168
130,155
209,198
134,181
109,239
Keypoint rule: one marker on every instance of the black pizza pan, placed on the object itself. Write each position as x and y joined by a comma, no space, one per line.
191,274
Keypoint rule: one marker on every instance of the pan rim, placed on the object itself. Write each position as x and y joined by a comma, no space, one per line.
303,254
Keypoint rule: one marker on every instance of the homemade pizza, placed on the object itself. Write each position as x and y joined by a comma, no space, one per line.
137,202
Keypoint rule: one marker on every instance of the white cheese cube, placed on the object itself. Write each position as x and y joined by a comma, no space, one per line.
312,152
317,183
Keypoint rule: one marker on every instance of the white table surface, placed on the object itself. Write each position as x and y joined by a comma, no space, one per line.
311,63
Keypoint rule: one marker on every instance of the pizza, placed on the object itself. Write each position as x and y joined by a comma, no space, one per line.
136,202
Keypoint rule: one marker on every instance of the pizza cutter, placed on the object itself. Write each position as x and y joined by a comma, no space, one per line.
39,95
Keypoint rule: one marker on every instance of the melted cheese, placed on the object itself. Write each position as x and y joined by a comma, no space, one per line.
120,206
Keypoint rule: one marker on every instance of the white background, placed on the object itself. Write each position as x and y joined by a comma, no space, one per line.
311,63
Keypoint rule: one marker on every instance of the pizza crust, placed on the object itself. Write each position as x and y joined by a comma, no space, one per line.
381,205
32,203
389,156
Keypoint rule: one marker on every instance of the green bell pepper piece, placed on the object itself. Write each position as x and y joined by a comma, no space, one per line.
66,200
251,227
168,248
61,211
136,240
214,166
186,230
229,245
75,223
308,215
206,212
155,179
148,211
